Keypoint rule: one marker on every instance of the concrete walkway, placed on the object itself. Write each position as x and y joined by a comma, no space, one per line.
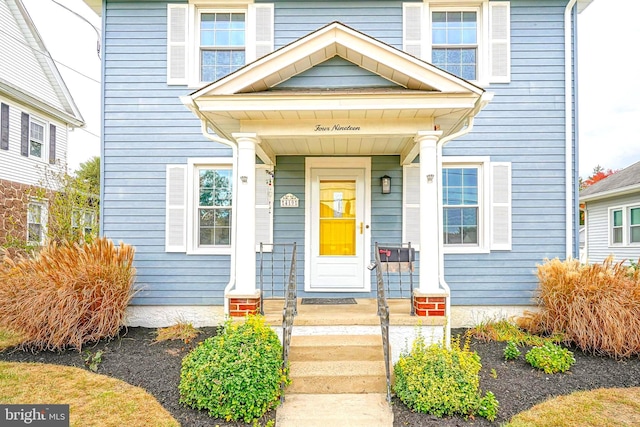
335,410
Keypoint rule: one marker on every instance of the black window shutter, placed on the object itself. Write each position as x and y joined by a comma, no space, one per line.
52,144
24,135
4,126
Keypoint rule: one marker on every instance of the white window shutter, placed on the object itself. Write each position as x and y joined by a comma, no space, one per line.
500,206
411,206
499,42
413,29
176,209
177,37
260,31
264,207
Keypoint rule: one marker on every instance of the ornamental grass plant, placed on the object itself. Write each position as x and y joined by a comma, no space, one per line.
596,307
67,295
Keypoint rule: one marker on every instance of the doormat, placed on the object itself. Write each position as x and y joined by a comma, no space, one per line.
328,301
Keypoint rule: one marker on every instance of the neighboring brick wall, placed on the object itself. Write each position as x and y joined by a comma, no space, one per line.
14,198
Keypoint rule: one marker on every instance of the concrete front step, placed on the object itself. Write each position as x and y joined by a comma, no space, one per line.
331,410
337,377
306,348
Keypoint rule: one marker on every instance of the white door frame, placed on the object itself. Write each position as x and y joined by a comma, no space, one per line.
338,163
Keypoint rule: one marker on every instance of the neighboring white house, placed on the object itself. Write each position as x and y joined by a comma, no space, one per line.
36,111
612,216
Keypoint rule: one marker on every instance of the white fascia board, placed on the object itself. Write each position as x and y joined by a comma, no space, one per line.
611,193
335,102
23,98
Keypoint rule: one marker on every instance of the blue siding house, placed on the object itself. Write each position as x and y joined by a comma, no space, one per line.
449,125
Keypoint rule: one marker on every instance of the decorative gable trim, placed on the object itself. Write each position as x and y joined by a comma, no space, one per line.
354,46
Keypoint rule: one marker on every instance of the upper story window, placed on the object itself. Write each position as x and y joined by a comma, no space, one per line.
470,39
36,139
461,205
454,38
222,44
205,43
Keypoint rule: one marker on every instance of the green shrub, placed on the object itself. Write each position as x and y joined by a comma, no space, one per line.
511,351
550,358
236,374
488,406
439,381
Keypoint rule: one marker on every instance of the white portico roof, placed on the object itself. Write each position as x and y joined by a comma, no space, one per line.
337,121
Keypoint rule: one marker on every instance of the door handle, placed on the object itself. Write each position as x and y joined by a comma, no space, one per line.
361,227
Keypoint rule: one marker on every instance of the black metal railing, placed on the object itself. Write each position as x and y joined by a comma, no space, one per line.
383,313
288,313
397,264
274,262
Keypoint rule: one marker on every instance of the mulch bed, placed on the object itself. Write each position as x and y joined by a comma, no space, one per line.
135,358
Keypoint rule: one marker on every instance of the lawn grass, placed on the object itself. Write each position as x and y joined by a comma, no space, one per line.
9,338
611,407
94,400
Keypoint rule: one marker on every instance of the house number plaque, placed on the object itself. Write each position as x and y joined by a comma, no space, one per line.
289,201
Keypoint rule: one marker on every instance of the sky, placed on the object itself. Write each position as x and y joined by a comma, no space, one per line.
607,69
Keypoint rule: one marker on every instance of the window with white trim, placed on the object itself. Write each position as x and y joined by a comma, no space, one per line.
199,206
624,225
205,43
461,205
222,43
454,38
617,229
36,139
83,220
214,196
476,205
634,225
470,40
36,222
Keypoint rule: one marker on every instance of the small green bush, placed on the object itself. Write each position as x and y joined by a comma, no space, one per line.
550,358
235,375
511,351
440,381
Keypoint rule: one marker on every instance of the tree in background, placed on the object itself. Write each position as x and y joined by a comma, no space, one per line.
72,204
89,172
598,174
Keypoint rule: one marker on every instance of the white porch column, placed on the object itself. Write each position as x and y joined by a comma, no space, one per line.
245,206
429,215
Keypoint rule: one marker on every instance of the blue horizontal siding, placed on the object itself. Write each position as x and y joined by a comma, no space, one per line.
336,73
146,127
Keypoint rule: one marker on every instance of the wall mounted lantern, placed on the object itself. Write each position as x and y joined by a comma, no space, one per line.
385,183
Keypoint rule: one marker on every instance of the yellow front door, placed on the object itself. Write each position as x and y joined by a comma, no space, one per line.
338,230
